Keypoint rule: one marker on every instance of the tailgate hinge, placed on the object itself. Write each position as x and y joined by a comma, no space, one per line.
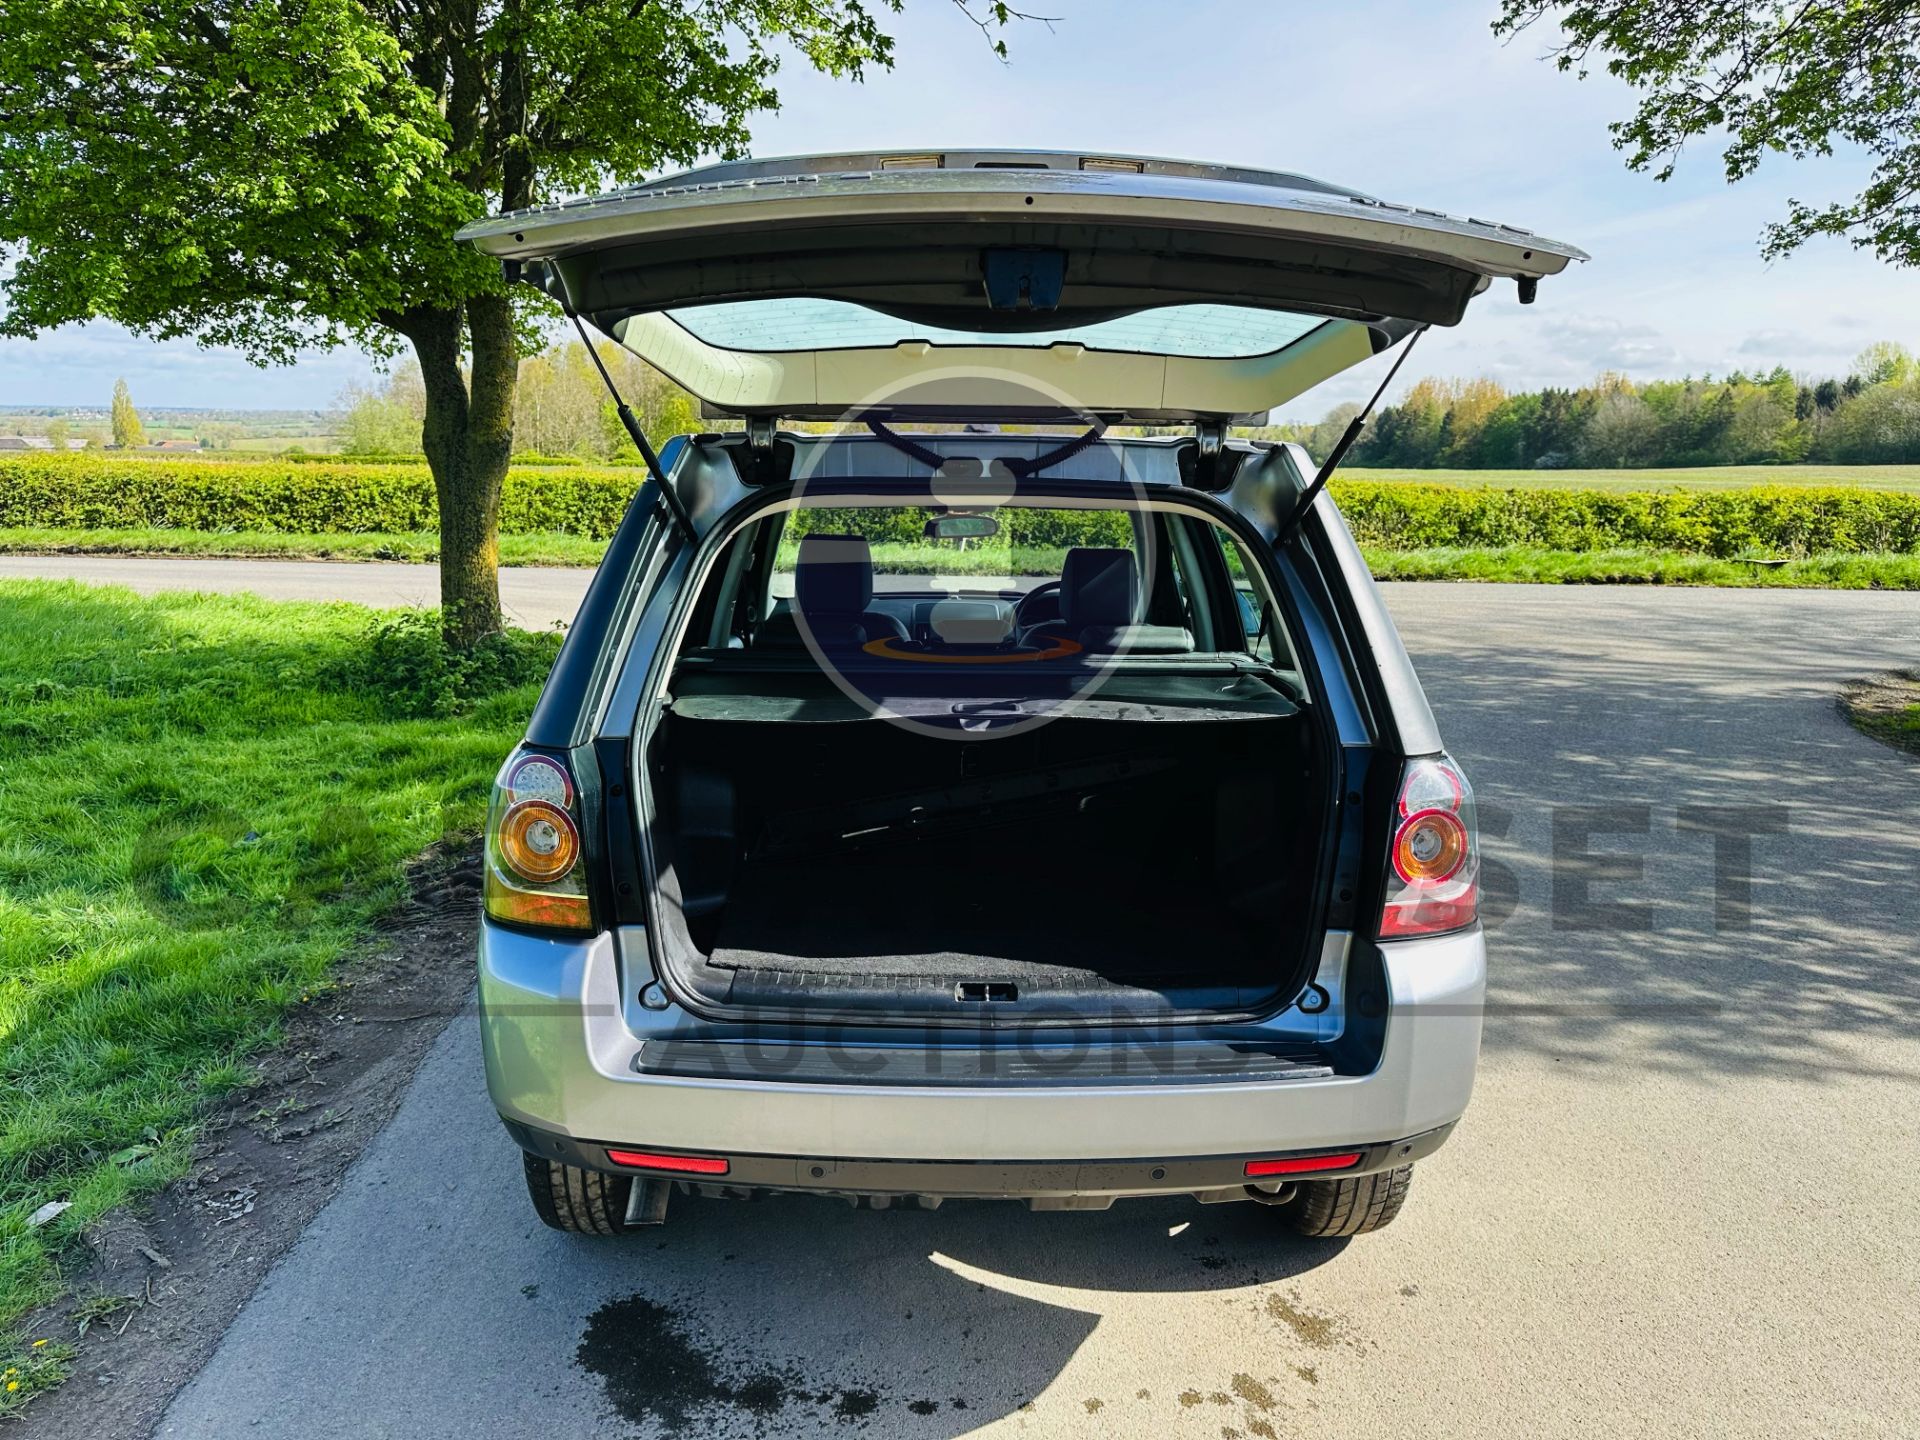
760,469
1210,441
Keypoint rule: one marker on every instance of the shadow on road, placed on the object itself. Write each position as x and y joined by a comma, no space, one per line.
1683,938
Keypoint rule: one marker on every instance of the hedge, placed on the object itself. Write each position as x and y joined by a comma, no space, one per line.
1037,529
291,497
83,491
1777,520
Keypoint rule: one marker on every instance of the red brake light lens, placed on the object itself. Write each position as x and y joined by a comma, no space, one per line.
1433,884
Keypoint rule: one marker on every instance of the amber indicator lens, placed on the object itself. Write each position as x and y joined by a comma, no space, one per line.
538,841
1431,845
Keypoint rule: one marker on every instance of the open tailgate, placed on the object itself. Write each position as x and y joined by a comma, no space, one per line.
979,284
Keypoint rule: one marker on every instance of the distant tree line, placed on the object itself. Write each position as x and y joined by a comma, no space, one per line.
561,407
1869,417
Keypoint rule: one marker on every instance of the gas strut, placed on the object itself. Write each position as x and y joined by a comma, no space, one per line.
1345,443
682,521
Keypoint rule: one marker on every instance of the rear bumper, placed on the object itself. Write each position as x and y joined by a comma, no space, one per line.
560,1052
1214,1177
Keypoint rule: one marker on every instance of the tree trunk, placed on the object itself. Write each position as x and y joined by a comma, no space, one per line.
468,439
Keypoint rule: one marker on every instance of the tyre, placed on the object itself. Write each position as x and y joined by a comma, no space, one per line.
1357,1206
581,1202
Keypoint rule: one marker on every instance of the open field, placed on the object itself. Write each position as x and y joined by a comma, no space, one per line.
1707,477
206,800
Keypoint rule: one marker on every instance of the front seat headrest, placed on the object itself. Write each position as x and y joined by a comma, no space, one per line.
833,575
1098,587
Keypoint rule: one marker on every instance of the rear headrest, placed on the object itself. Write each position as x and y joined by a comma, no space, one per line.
833,575
1098,587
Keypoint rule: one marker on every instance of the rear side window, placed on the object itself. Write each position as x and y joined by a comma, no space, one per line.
1262,633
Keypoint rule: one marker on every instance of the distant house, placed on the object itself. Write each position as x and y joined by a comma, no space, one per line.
174,445
36,442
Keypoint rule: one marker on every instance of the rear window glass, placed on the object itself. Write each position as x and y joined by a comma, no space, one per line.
994,581
1028,547
1192,331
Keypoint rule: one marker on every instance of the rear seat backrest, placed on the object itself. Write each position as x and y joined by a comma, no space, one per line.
832,590
1098,587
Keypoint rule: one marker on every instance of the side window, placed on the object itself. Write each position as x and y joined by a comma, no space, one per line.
1263,633
1187,569
736,598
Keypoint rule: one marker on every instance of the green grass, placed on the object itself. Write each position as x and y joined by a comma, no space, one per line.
1512,564
1704,477
420,546
29,1366
1527,565
204,802
1886,707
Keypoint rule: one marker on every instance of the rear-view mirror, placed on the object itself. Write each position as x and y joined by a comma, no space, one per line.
961,527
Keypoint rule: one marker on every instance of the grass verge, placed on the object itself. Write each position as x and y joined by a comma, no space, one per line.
1887,707
1697,477
1521,564
416,547
206,799
1518,564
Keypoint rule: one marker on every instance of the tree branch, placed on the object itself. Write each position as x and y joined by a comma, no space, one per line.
997,17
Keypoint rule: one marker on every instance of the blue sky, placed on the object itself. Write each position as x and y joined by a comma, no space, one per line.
1407,100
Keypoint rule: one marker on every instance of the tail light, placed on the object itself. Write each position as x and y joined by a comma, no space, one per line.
534,874
1433,875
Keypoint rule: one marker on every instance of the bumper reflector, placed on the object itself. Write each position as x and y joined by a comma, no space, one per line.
679,1164
1303,1164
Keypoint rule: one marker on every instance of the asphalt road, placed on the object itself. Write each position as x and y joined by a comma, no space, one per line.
1684,1202
535,598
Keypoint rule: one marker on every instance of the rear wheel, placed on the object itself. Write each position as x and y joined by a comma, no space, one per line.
581,1202
1354,1206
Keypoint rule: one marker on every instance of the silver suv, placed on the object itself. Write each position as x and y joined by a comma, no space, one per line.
943,796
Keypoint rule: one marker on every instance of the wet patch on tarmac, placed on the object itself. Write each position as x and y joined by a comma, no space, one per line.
653,1370
1312,1327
